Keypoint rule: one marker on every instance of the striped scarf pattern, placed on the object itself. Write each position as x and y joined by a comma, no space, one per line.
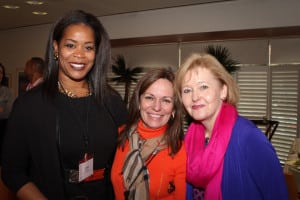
135,172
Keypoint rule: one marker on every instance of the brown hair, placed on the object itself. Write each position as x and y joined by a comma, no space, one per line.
174,133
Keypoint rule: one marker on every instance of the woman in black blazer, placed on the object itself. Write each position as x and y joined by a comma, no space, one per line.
62,134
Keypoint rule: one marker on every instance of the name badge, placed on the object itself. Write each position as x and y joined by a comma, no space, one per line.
86,168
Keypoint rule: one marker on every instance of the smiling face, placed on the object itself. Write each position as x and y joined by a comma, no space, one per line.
157,103
202,95
76,53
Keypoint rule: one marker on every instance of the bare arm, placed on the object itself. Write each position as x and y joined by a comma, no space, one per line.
30,192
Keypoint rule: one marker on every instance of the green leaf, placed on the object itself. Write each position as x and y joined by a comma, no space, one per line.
124,75
223,55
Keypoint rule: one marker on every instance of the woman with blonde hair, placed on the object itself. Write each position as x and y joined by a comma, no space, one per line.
228,157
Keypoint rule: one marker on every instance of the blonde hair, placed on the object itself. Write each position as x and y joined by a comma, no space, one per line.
209,62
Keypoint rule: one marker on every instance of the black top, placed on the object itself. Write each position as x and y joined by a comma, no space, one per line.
44,136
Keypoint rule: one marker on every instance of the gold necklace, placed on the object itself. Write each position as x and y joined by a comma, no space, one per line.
71,94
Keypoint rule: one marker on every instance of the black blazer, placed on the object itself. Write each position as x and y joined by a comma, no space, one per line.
30,151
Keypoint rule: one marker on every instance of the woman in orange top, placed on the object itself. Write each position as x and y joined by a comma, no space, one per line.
150,162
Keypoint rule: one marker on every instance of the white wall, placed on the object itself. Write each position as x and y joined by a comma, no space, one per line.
231,15
20,44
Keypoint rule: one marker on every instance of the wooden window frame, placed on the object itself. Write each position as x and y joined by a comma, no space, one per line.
279,32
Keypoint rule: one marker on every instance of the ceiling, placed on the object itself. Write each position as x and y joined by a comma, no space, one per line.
23,17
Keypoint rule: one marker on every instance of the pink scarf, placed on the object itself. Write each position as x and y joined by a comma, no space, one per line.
205,164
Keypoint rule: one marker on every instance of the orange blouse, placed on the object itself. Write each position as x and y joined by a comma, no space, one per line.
163,169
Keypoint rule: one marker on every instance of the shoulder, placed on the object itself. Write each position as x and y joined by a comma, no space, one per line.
247,129
247,136
29,96
31,99
31,108
113,95
116,107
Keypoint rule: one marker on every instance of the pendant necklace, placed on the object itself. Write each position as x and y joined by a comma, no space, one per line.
69,93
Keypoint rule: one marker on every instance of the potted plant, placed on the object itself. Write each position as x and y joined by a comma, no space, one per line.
124,74
223,56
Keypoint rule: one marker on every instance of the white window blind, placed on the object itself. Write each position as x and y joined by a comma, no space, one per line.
284,108
283,84
252,81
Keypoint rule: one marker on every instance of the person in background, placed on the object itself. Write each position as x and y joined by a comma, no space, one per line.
34,70
61,135
150,161
228,157
6,102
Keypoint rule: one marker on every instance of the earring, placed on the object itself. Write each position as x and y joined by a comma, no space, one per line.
222,98
55,56
173,115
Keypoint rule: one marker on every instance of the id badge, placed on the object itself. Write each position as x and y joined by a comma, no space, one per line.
86,167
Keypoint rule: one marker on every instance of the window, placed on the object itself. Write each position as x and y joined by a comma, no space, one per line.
253,91
285,107
272,94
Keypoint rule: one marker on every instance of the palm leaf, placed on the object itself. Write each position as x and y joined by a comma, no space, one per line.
223,55
124,75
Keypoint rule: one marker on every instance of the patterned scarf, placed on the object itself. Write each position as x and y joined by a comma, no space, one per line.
205,164
135,172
